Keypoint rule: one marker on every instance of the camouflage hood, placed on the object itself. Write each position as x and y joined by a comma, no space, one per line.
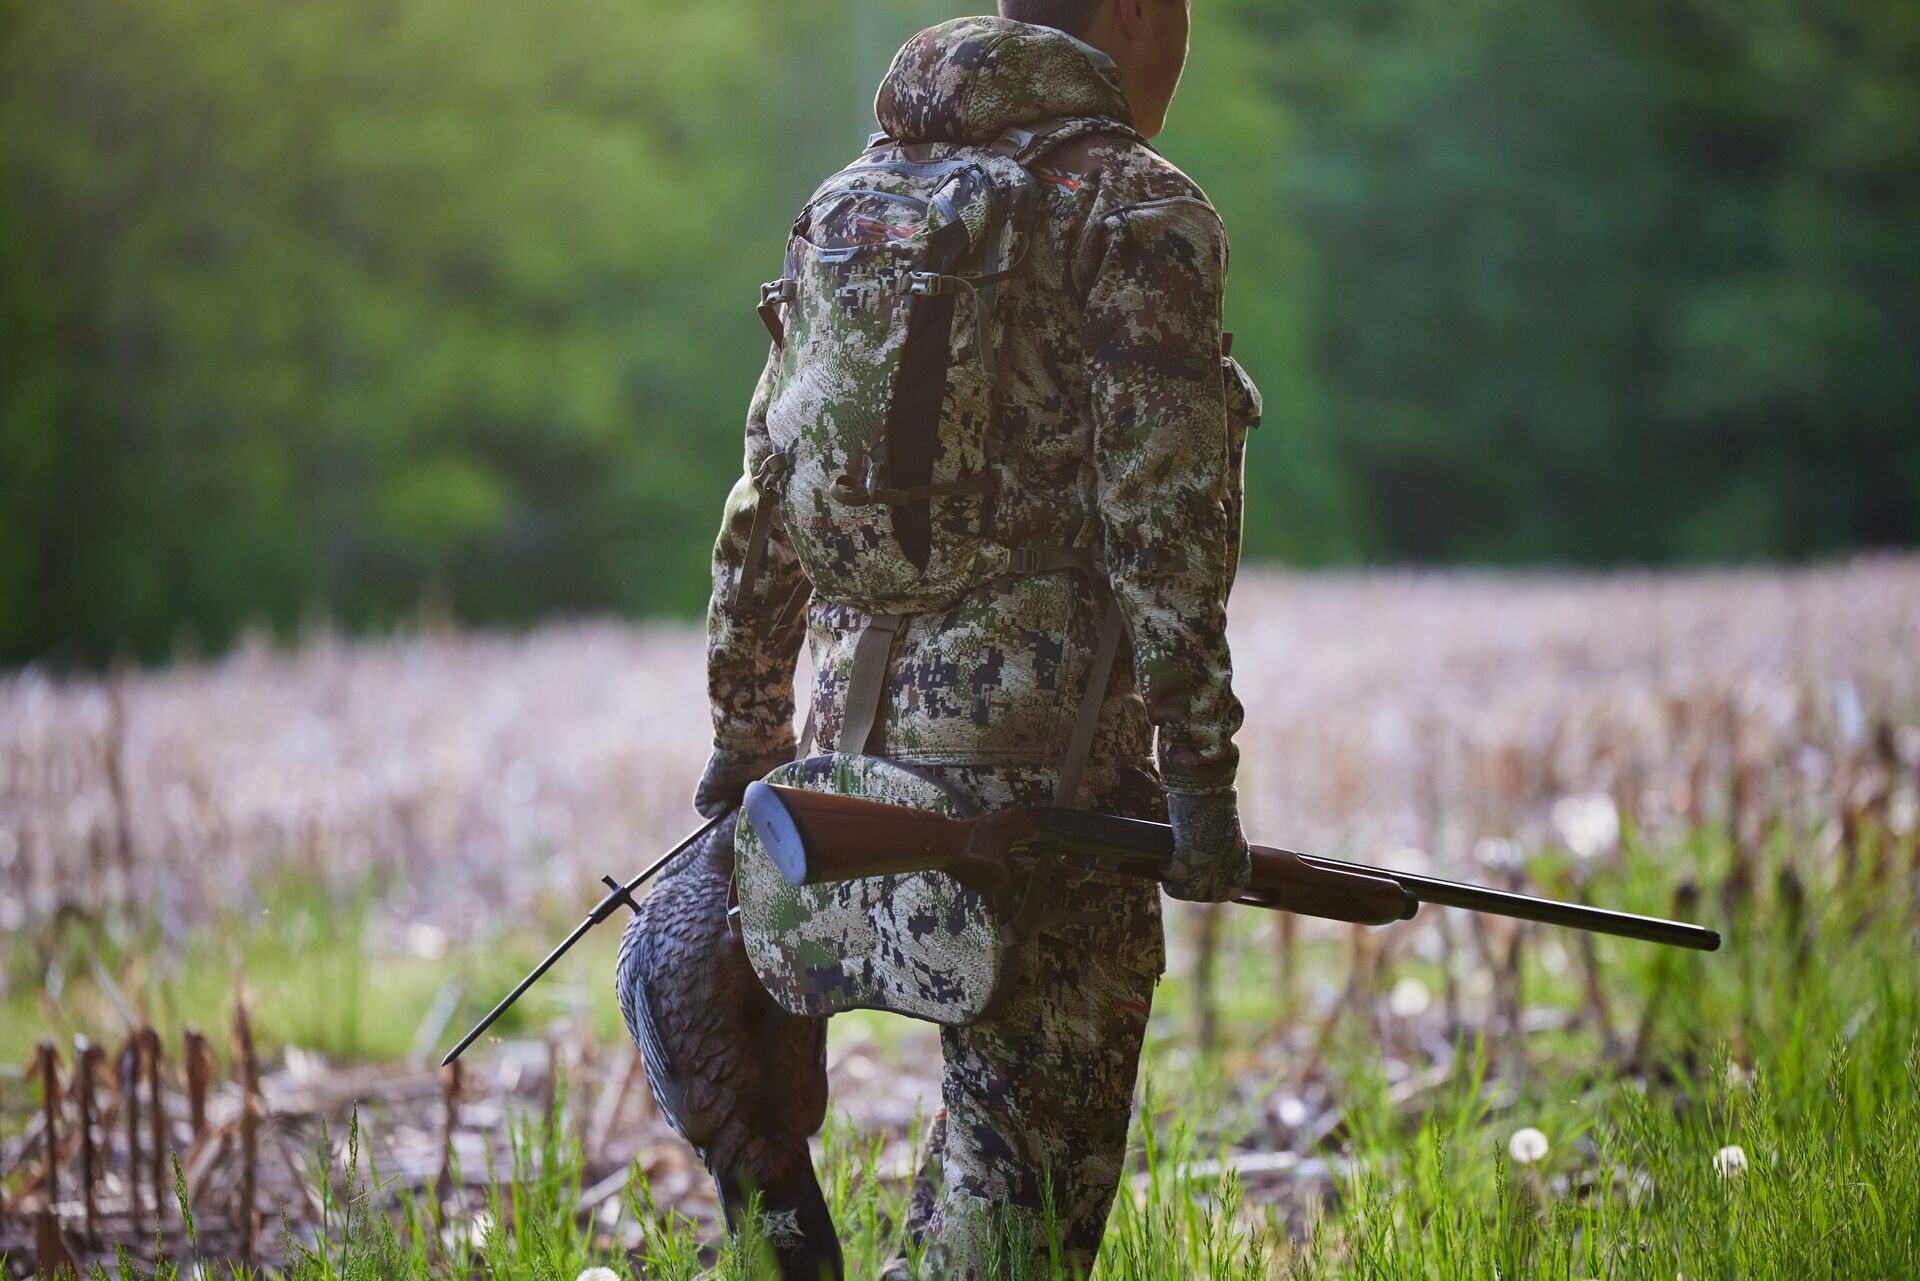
969,79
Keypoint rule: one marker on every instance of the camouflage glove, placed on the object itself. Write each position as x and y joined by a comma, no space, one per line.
729,770
1211,862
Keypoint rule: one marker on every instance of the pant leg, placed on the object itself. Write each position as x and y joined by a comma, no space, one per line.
738,1077
1039,1096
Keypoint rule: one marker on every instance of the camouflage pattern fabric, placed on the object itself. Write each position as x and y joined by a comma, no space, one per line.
1117,425
1037,1096
1211,860
841,365
727,775
919,944
968,79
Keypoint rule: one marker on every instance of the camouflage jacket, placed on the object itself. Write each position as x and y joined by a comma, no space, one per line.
1119,425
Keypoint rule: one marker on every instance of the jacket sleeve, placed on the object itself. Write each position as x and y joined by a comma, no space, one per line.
753,641
1167,483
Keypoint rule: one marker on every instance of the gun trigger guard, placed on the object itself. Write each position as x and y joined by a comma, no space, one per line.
1078,871
984,865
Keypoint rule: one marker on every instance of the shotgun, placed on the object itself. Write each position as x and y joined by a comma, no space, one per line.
819,837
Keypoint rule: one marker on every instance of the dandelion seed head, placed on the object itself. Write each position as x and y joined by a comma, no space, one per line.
1730,1161
1499,851
428,942
1409,999
1902,813
1527,1145
1589,824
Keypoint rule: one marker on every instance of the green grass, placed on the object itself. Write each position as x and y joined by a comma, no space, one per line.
317,972
1799,1043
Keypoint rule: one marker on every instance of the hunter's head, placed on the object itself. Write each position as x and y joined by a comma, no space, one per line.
1147,40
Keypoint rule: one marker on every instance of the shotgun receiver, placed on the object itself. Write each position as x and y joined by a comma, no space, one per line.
819,837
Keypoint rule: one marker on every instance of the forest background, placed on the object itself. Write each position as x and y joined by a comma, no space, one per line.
326,310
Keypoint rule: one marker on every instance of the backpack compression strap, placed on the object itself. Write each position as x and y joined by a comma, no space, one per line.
861,721
862,727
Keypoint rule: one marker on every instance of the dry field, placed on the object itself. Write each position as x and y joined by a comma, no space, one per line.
464,792
1385,711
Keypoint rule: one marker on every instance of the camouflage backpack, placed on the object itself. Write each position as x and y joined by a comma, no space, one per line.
882,467
884,320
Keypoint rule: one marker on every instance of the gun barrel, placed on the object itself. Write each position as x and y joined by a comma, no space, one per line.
1597,920
817,837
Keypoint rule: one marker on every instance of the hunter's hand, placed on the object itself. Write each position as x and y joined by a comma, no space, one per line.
729,770
1211,861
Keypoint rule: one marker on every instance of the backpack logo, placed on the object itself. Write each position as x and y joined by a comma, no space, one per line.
872,230
1057,178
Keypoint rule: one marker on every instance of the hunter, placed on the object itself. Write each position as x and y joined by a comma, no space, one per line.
1113,428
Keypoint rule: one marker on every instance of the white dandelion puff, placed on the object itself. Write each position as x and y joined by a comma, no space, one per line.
1409,999
1499,851
1588,824
1527,1145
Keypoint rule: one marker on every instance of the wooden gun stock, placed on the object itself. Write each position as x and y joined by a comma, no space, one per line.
820,837
816,838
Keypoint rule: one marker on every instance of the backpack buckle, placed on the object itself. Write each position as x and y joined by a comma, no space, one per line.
1014,141
924,284
1023,560
855,486
772,294
772,471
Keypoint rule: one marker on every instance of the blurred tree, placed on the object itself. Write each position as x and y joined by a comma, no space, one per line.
341,306
1598,281
1797,364
347,302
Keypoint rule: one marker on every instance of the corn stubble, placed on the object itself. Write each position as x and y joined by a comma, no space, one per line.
1742,748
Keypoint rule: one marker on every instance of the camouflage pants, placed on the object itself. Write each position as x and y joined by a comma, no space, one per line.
1023,1162
1024,1158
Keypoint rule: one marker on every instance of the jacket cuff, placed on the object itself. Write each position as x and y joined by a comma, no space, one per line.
729,771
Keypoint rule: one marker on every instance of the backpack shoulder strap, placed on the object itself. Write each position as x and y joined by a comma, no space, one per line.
1030,142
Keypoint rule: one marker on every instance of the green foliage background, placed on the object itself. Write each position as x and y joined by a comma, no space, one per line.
332,307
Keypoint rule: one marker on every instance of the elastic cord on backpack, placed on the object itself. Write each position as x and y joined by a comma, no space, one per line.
925,283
